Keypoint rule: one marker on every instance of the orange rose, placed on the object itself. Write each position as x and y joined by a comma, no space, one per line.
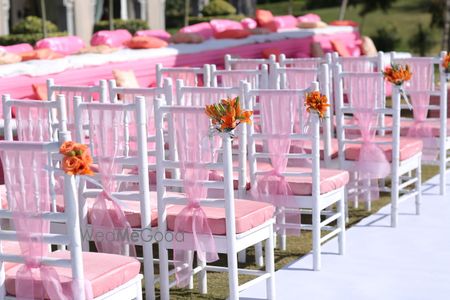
71,165
67,148
84,168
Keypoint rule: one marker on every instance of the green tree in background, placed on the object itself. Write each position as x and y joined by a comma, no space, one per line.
421,41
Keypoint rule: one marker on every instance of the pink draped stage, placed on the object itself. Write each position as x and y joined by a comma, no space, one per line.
20,86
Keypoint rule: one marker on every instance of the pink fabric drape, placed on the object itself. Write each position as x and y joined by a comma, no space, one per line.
33,124
107,216
419,89
27,181
234,79
364,98
277,116
189,78
357,66
192,135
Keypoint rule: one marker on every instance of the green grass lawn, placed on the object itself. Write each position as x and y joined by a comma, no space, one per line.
404,16
297,246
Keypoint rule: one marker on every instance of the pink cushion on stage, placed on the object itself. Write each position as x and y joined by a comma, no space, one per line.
204,29
186,38
249,214
330,179
9,58
158,33
408,148
309,18
285,22
18,48
263,17
249,23
435,127
220,25
112,38
145,42
40,91
40,54
104,271
125,78
233,34
340,48
344,23
64,44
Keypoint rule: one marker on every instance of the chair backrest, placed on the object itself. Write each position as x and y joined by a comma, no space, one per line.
258,78
276,132
118,142
302,78
87,94
201,96
360,64
194,147
365,110
192,76
28,186
232,63
35,120
303,63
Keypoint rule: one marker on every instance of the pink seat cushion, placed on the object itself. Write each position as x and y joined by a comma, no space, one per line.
66,45
249,214
408,148
104,271
435,127
330,179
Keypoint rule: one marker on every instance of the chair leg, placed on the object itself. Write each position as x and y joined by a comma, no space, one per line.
418,188
394,198
347,218
316,237
163,273
270,267
233,280
191,279
356,187
442,169
283,230
259,258
341,225
242,256
367,187
149,272
202,278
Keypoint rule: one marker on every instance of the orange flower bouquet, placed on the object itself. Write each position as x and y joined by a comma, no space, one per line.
77,159
446,62
397,74
227,114
315,101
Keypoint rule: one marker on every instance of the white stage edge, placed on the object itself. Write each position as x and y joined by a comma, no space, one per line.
409,262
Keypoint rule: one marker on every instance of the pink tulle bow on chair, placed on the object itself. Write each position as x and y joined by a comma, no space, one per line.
194,150
107,217
28,169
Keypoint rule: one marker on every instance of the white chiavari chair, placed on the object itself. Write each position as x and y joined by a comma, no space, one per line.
304,63
225,216
232,63
374,155
191,76
258,78
430,120
308,189
74,274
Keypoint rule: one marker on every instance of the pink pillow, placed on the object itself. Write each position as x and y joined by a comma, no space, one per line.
309,18
284,22
19,48
249,23
158,33
65,44
114,38
203,29
340,48
220,25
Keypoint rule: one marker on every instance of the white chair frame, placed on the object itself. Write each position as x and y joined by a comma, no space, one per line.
72,237
101,89
257,62
231,243
160,70
258,78
313,204
300,62
400,170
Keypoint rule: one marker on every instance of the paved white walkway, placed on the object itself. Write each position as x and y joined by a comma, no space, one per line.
409,262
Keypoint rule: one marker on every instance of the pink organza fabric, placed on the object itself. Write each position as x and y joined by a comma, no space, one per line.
357,66
33,124
234,79
189,78
277,116
107,216
27,182
296,79
194,151
364,98
419,89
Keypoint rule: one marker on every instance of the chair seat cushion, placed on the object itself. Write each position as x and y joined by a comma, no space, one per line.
249,214
435,127
104,271
330,179
408,148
